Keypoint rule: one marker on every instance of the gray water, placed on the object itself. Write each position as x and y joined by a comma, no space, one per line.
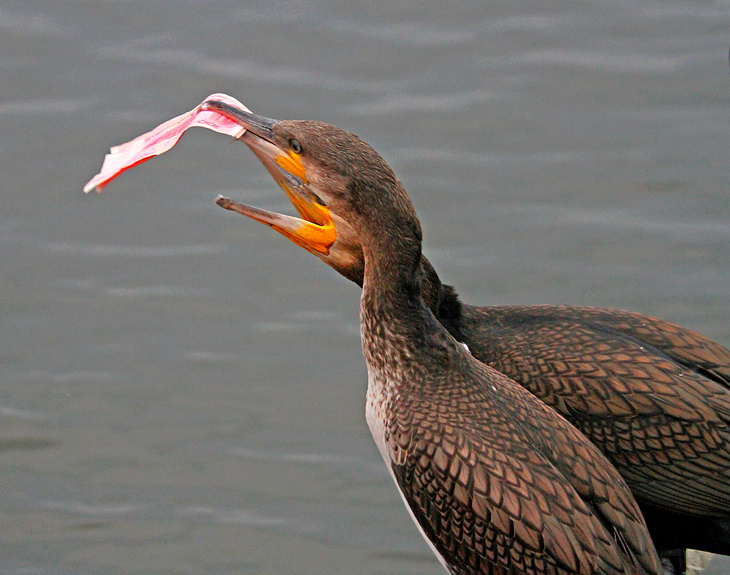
183,389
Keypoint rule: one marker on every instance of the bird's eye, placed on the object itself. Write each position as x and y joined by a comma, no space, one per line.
295,146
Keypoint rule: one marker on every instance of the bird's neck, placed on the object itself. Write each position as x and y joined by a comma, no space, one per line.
396,326
392,282
441,300
406,349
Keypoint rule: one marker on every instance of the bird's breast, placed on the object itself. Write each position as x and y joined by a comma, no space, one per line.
378,411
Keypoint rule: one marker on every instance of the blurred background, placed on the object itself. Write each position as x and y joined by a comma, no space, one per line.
182,388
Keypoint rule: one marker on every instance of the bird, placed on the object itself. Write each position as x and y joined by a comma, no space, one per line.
652,395
497,482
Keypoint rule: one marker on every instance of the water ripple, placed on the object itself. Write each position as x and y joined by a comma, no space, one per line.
68,377
225,515
32,24
400,102
131,251
403,33
237,516
241,70
8,412
155,291
94,510
45,106
460,157
633,62
613,219
347,463
26,444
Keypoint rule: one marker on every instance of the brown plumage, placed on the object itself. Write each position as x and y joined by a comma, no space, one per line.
498,482
652,395
628,383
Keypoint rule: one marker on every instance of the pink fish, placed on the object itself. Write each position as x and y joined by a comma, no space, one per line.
162,138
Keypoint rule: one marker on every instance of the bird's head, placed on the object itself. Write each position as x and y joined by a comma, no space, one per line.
336,182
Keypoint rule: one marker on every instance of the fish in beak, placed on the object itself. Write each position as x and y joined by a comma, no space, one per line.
314,230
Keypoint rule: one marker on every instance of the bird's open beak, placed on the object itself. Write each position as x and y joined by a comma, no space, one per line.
315,231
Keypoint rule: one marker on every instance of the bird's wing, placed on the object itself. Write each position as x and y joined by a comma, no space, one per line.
687,347
665,427
487,496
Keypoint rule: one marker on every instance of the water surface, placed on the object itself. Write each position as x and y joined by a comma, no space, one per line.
182,389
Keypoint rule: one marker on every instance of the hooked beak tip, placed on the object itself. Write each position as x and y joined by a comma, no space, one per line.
259,125
223,202
316,238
